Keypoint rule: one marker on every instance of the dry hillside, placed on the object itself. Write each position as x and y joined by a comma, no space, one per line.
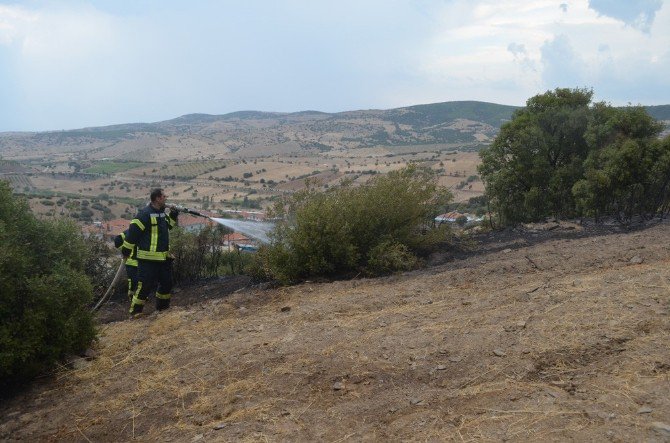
552,335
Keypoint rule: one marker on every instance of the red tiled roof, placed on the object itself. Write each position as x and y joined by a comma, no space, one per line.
115,226
189,220
236,237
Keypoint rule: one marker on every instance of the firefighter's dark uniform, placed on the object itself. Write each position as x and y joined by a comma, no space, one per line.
149,232
131,264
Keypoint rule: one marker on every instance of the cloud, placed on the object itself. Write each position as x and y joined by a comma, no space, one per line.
639,14
67,64
561,65
516,49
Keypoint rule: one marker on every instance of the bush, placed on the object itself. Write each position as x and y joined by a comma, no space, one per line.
101,263
390,257
201,255
44,292
334,232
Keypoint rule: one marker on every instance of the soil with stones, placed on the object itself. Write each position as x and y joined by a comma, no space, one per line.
547,333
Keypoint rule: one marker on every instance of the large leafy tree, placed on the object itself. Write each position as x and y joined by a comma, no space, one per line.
530,168
561,155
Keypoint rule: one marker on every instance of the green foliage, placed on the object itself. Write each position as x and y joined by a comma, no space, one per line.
390,256
563,156
629,176
44,291
191,170
341,230
203,255
530,167
100,263
462,220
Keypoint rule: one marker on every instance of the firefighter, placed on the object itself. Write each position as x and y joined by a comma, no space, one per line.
131,263
149,232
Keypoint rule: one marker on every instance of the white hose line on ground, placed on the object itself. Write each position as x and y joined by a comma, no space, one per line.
103,299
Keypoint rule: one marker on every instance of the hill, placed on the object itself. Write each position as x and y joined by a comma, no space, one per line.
254,134
552,333
661,112
251,134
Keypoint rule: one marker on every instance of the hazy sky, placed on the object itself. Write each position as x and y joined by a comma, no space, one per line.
76,63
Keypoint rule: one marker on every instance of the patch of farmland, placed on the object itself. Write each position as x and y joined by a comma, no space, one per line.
275,171
183,171
19,182
112,167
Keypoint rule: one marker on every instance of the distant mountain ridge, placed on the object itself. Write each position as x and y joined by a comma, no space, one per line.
457,124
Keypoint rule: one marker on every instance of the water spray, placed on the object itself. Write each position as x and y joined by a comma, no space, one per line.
257,230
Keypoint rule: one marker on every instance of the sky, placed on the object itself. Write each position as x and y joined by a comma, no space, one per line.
81,63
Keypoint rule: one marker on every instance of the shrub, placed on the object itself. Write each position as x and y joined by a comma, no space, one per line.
101,263
333,232
390,257
44,292
201,255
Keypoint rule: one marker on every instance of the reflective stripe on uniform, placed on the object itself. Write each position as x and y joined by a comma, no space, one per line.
138,223
131,262
163,296
136,298
171,222
128,245
151,255
154,233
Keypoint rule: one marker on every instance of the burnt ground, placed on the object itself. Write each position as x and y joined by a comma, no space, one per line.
548,333
116,309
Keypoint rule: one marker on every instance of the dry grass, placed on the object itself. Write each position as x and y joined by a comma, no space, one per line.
583,343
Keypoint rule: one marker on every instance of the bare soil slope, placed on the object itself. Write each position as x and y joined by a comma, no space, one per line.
564,339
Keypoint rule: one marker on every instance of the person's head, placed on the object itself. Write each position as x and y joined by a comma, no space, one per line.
158,198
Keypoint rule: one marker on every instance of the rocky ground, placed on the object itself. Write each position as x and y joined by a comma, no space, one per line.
552,333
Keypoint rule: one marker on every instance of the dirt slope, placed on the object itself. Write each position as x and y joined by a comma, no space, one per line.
566,339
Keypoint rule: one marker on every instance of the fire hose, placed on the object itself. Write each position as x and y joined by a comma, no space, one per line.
188,211
115,280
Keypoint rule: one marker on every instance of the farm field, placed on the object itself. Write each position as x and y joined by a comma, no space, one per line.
221,184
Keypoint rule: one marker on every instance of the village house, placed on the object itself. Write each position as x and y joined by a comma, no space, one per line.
236,239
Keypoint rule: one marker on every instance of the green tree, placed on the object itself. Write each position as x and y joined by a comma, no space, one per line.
627,171
563,156
44,291
530,168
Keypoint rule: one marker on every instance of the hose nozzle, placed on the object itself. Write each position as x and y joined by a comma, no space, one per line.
187,210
